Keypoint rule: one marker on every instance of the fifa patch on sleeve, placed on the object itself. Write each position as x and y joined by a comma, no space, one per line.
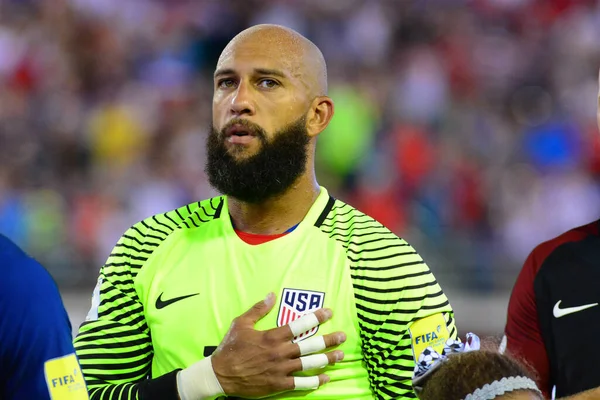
430,331
64,378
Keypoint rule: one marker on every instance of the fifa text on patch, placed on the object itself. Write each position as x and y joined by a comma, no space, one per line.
64,379
430,331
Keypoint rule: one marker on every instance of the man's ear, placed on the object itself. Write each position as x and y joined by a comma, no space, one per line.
319,115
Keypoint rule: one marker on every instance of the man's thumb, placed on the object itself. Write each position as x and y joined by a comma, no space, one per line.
260,309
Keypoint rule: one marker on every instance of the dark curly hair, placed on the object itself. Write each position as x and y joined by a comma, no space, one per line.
463,373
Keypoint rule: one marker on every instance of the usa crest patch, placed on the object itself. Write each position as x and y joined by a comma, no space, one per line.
295,303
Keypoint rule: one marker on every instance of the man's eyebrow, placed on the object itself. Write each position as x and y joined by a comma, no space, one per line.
272,72
226,71
258,71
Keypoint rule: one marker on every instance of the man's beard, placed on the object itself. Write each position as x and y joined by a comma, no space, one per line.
267,174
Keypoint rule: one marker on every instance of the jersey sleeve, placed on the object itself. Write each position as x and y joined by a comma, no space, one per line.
394,289
114,344
523,337
37,355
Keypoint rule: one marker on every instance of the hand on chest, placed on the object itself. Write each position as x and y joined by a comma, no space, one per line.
197,301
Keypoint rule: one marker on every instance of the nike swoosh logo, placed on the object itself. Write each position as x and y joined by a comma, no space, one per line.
561,312
160,303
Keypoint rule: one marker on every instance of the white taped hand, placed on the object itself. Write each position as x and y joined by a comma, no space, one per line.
311,345
303,324
198,381
306,383
314,361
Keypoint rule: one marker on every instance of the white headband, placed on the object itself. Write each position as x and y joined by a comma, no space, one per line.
492,390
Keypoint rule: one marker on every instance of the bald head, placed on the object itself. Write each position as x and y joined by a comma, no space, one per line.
273,77
283,45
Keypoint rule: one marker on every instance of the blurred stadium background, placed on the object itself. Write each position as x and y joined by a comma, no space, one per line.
467,127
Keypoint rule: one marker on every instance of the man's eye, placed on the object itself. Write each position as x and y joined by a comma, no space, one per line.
226,83
268,83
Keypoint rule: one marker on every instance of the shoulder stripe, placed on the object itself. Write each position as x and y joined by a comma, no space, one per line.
394,301
131,247
134,375
219,207
96,329
167,216
170,228
117,272
147,235
155,229
352,219
391,278
391,237
206,213
376,249
182,219
134,342
136,352
122,264
136,258
191,219
130,237
101,337
381,231
388,267
392,290
325,212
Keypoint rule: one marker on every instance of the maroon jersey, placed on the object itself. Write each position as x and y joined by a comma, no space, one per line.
553,321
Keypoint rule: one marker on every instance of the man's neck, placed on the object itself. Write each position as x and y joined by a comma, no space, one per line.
276,215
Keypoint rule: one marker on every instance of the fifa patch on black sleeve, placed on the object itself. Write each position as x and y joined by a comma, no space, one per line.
430,331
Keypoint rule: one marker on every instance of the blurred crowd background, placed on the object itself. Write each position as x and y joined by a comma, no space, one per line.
467,127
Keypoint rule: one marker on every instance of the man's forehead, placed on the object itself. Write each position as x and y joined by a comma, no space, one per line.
249,58
274,47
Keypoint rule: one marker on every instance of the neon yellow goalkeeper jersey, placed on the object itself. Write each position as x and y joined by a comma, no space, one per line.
174,282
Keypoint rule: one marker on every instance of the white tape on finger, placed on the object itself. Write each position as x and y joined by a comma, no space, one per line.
306,383
314,361
304,323
311,345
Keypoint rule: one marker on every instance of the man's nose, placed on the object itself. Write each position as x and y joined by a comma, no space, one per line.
241,102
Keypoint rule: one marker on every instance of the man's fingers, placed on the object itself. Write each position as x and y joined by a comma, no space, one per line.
318,343
323,379
260,309
314,361
306,382
301,325
334,356
334,339
311,345
323,314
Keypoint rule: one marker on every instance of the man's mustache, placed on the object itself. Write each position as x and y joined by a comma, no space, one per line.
255,129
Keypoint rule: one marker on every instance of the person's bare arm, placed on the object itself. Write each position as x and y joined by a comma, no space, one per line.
592,394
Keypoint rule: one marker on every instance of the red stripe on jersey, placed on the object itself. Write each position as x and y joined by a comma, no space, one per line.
253,239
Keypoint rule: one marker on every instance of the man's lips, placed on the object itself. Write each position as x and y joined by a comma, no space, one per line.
238,130
234,139
239,134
